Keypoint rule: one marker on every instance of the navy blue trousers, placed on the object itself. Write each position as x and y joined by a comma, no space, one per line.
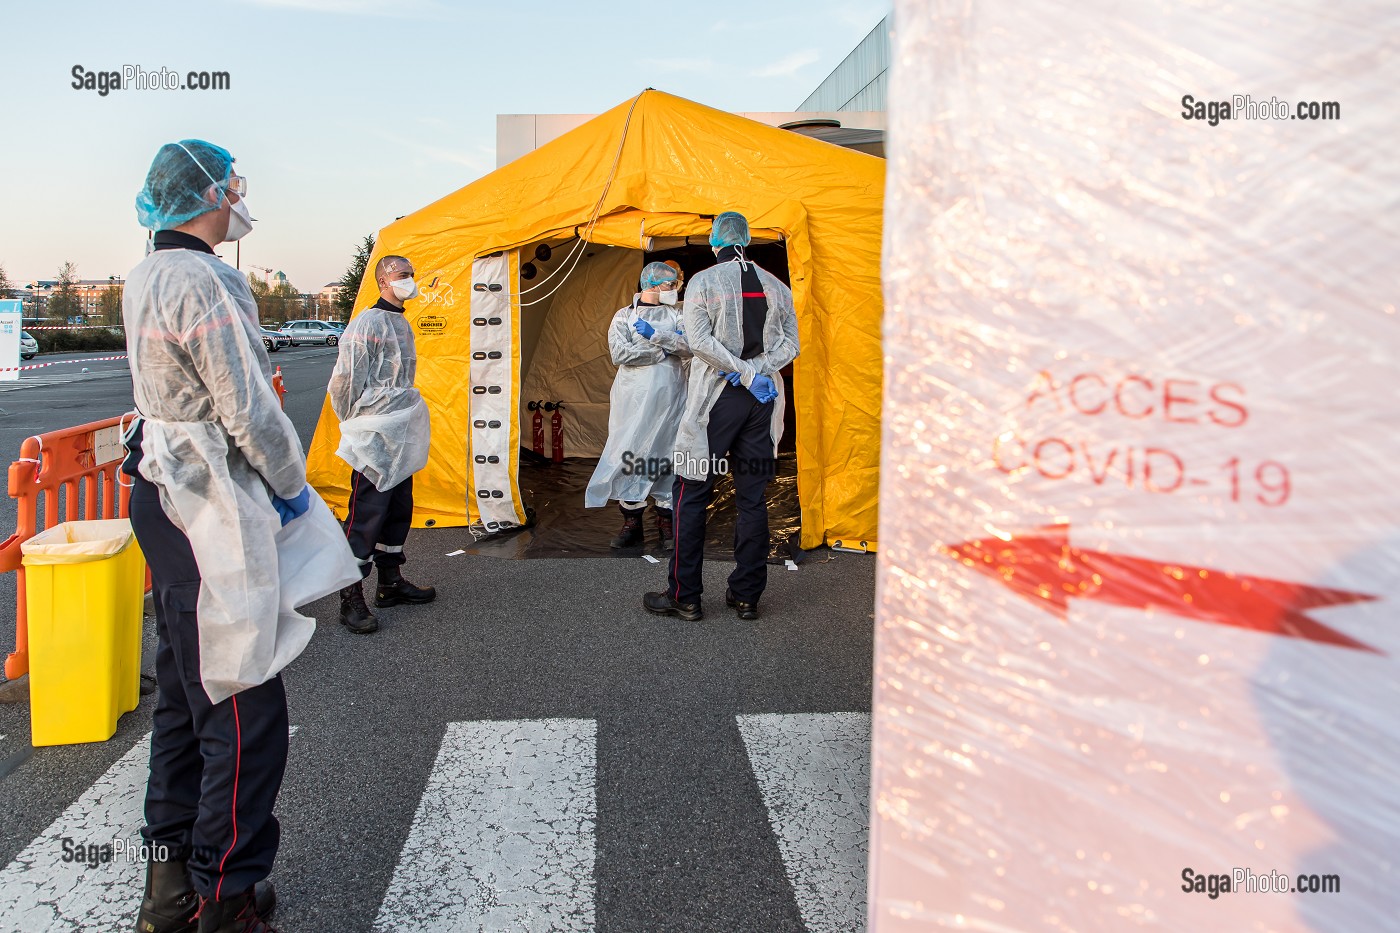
377,523
216,768
739,432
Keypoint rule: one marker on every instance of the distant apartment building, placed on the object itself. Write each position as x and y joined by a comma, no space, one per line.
89,292
35,296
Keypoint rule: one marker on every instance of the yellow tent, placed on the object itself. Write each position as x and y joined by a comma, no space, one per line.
521,271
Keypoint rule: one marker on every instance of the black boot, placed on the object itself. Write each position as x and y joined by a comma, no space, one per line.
170,903
664,605
394,589
744,610
354,614
665,519
240,914
631,533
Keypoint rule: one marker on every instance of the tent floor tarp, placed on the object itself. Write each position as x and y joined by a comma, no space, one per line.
564,528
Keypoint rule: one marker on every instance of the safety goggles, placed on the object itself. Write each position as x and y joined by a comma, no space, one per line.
238,185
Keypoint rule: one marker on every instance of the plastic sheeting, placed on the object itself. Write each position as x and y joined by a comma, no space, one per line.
659,166
383,420
1141,507
564,528
645,405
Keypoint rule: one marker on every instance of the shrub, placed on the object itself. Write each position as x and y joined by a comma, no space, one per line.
81,341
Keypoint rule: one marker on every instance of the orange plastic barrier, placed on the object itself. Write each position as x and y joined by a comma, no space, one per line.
61,463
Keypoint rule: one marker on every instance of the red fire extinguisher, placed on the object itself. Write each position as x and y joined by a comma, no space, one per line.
556,429
538,444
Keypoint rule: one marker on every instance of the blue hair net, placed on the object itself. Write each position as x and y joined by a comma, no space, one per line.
180,175
731,229
656,273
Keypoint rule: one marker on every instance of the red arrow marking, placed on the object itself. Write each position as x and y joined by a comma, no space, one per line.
1044,568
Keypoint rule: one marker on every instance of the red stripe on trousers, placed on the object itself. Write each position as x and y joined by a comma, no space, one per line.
354,494
237,764
676,543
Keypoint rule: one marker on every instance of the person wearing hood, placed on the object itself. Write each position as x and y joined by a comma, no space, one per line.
648,348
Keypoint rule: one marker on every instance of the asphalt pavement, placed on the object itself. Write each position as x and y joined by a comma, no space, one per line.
530,751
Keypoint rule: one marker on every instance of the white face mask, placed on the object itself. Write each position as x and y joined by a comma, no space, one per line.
404,289
667,298
240,224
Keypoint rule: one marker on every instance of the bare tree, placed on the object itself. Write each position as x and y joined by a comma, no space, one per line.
110,305
64,303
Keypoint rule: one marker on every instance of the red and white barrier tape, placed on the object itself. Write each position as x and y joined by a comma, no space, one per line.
75,327
90,359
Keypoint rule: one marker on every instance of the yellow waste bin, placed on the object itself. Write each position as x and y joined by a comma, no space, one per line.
84,586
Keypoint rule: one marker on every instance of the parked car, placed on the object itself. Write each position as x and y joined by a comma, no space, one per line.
275,340
28,346
301,332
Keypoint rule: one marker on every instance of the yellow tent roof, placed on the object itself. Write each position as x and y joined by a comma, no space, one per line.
679,163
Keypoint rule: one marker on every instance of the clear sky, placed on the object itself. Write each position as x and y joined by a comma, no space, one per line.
344,114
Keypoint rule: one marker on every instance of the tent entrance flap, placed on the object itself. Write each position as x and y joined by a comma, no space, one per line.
494,445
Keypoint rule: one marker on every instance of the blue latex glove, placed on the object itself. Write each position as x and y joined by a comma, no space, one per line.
291,508
734,378
763,389
645,329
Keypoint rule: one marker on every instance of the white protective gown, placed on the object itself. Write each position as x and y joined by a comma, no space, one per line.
644,408
384,425
714,326
218,446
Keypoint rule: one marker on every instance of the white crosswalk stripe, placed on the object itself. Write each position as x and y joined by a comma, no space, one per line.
814,772
49,380
503,836
41,891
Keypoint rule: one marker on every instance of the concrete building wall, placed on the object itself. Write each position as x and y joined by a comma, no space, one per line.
860,82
